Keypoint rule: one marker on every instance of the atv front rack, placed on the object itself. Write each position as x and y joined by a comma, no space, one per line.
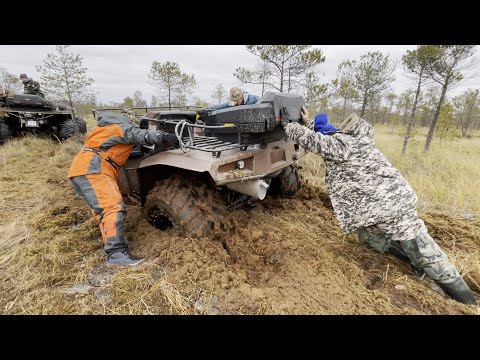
204,143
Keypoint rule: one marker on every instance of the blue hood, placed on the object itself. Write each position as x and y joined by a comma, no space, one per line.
321,125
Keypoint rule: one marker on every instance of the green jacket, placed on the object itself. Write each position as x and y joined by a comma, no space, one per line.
32,87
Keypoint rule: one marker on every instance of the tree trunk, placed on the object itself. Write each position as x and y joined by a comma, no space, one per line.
460,122
289,81
70,102
412,117
282,74
72,110
390,111
465,124
264,75
425,118
364,105
405,111
169,99
435,117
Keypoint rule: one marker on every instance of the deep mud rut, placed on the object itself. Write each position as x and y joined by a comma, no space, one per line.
286,256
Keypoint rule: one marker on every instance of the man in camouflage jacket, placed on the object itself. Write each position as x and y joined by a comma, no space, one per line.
371,197
30,86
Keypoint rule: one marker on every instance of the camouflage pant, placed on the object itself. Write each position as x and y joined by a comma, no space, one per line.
422,251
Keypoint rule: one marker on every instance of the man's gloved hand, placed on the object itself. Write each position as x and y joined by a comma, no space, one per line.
202,112
305,116
171,139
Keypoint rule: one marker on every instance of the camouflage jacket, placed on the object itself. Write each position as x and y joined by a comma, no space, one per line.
365,189
31,87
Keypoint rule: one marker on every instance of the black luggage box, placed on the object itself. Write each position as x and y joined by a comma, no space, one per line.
256,118
286,106
28,101
256,123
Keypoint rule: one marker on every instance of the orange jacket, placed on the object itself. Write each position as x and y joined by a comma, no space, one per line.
115,136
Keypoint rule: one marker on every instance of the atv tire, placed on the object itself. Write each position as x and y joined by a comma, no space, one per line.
5,130
287,183
189,204
72,127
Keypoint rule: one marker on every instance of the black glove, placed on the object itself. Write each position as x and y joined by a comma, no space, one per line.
171,139
202,112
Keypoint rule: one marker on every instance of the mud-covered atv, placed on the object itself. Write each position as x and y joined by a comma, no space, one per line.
231,159
34,114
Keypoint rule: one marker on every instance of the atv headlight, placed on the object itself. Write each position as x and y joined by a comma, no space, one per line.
240,164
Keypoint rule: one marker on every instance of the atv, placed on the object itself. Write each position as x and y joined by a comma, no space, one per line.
229,159
34,114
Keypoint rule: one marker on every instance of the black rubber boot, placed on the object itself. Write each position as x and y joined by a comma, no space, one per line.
459,291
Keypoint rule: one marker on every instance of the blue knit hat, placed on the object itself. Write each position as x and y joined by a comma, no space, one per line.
322,126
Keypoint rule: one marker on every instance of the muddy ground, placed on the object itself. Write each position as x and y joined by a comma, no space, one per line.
285,256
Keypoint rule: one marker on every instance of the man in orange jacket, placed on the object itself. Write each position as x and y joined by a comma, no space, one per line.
94,172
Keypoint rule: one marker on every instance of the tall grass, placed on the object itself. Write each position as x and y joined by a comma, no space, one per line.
447,178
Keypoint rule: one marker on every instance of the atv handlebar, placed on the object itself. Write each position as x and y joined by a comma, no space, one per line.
147,109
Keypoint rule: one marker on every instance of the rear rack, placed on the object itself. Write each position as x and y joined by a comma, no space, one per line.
204,143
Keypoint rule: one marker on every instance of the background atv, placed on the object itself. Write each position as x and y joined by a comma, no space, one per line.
33,114
195,186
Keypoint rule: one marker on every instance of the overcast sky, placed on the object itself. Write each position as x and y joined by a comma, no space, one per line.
120,70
